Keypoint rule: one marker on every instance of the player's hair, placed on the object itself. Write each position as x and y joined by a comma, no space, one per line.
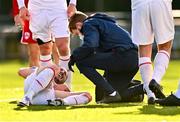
77,17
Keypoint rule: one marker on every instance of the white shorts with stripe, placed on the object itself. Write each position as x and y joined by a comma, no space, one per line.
151,20
48,24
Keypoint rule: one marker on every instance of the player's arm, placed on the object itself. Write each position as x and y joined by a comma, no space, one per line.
23,11
71,8
25,71
17,20
61,87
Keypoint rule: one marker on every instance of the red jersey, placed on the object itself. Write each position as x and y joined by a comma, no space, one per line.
15,7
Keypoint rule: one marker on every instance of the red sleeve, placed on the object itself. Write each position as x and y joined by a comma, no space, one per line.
15,8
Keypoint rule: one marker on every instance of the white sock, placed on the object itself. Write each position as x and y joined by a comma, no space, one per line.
40,82
113,94
45,60
177,93
64,63
161,62
76,100
145,67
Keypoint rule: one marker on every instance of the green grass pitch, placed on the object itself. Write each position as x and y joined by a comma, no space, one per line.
11,90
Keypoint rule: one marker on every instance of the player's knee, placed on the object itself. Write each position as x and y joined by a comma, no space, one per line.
21,73
46,48
64,49
166,46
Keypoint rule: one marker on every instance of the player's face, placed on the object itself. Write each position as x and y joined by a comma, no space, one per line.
61,77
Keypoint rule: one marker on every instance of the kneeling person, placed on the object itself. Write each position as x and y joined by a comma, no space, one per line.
39,88
108,47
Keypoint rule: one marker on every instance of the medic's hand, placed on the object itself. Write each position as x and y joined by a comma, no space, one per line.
71,63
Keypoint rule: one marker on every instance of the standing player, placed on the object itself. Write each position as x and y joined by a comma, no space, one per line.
153,18
32,46
39,90
48,18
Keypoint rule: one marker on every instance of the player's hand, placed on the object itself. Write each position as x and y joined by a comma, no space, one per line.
71,10
18,22
24,13
71,63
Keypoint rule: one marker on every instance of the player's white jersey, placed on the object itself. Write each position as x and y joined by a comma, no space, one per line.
136,3
47,4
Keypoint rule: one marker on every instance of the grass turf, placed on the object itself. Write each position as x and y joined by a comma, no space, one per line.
11,90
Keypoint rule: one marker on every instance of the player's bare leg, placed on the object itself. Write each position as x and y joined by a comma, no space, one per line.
55,54
33,53
63,45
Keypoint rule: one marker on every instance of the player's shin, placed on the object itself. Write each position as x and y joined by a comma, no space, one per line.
83,98
161,62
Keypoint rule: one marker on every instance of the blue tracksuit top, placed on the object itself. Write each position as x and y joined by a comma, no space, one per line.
101,32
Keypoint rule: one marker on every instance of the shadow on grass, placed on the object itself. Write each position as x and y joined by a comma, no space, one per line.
112,105
89,106
145,109
159,110
154,109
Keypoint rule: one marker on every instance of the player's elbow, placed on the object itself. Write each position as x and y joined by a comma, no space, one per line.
20,73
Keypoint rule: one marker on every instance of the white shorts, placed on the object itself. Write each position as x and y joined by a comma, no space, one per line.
153,19
46,24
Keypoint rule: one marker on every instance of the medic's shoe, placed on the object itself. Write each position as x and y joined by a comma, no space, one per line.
110,99
24,102
171,100
151,101
157,89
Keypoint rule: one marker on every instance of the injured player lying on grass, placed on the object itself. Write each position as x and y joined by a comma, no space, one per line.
45,86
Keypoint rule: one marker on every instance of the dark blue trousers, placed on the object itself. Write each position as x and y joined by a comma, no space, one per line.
119,69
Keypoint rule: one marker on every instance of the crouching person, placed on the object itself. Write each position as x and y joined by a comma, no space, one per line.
39,88
108,47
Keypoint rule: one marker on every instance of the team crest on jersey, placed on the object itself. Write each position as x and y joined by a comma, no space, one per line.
26,35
